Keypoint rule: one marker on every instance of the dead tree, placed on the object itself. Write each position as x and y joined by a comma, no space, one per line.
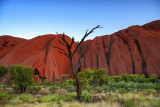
70,55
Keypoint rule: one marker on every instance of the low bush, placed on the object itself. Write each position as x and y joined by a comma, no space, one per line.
86,97
15,100
47,82
122,90
67,97
45,99
129,103
53,88
61,91
64,85
70,88
116,78
148,91
157,87
25,97
4,96
16,89
71,81
153,78
34,89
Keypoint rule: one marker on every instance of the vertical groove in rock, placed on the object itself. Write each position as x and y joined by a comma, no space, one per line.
49,45
144,65
84,62
97,62
109,54
104,46
125,42
98,50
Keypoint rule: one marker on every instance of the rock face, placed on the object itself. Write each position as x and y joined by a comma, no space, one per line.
135,50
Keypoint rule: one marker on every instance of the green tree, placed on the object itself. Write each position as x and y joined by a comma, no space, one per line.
22,76
3,71
85,77
99,76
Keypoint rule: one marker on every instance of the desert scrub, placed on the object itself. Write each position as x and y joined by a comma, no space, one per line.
46,99
67,97
15,100
26,97
69,88
129,103
3,96
34,89
53,88
86,96
16,89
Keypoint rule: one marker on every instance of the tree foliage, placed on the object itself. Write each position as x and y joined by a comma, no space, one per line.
22,76
90,77
3,71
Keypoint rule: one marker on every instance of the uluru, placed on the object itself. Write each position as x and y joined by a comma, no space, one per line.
134,50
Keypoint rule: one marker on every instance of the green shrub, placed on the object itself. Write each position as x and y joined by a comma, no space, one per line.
47,82
3,71
122,90
157,87
133,77
4,96
153,78
98,88
129,103
64,85
34,89
86,97
132,85
54,98
67,97
116,78
16,89
71,81
124,77
148,91
70,97
53,88
25,97
46,99
142,79
70,88
61,91
145,85
99,77
15,100
84,84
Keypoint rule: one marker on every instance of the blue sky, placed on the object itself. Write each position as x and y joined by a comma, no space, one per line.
30,18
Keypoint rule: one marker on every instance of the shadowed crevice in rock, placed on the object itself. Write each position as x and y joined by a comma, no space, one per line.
104,47
144,65
97,62
109,54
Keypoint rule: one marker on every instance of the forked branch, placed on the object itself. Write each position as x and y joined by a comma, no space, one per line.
86,34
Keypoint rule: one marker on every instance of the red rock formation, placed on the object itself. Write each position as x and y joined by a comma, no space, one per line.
134,50
7,43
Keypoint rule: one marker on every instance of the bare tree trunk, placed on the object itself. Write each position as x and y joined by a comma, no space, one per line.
79,91
70,55
21,89
24,89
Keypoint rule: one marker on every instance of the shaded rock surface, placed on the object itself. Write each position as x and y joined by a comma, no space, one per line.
135,50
